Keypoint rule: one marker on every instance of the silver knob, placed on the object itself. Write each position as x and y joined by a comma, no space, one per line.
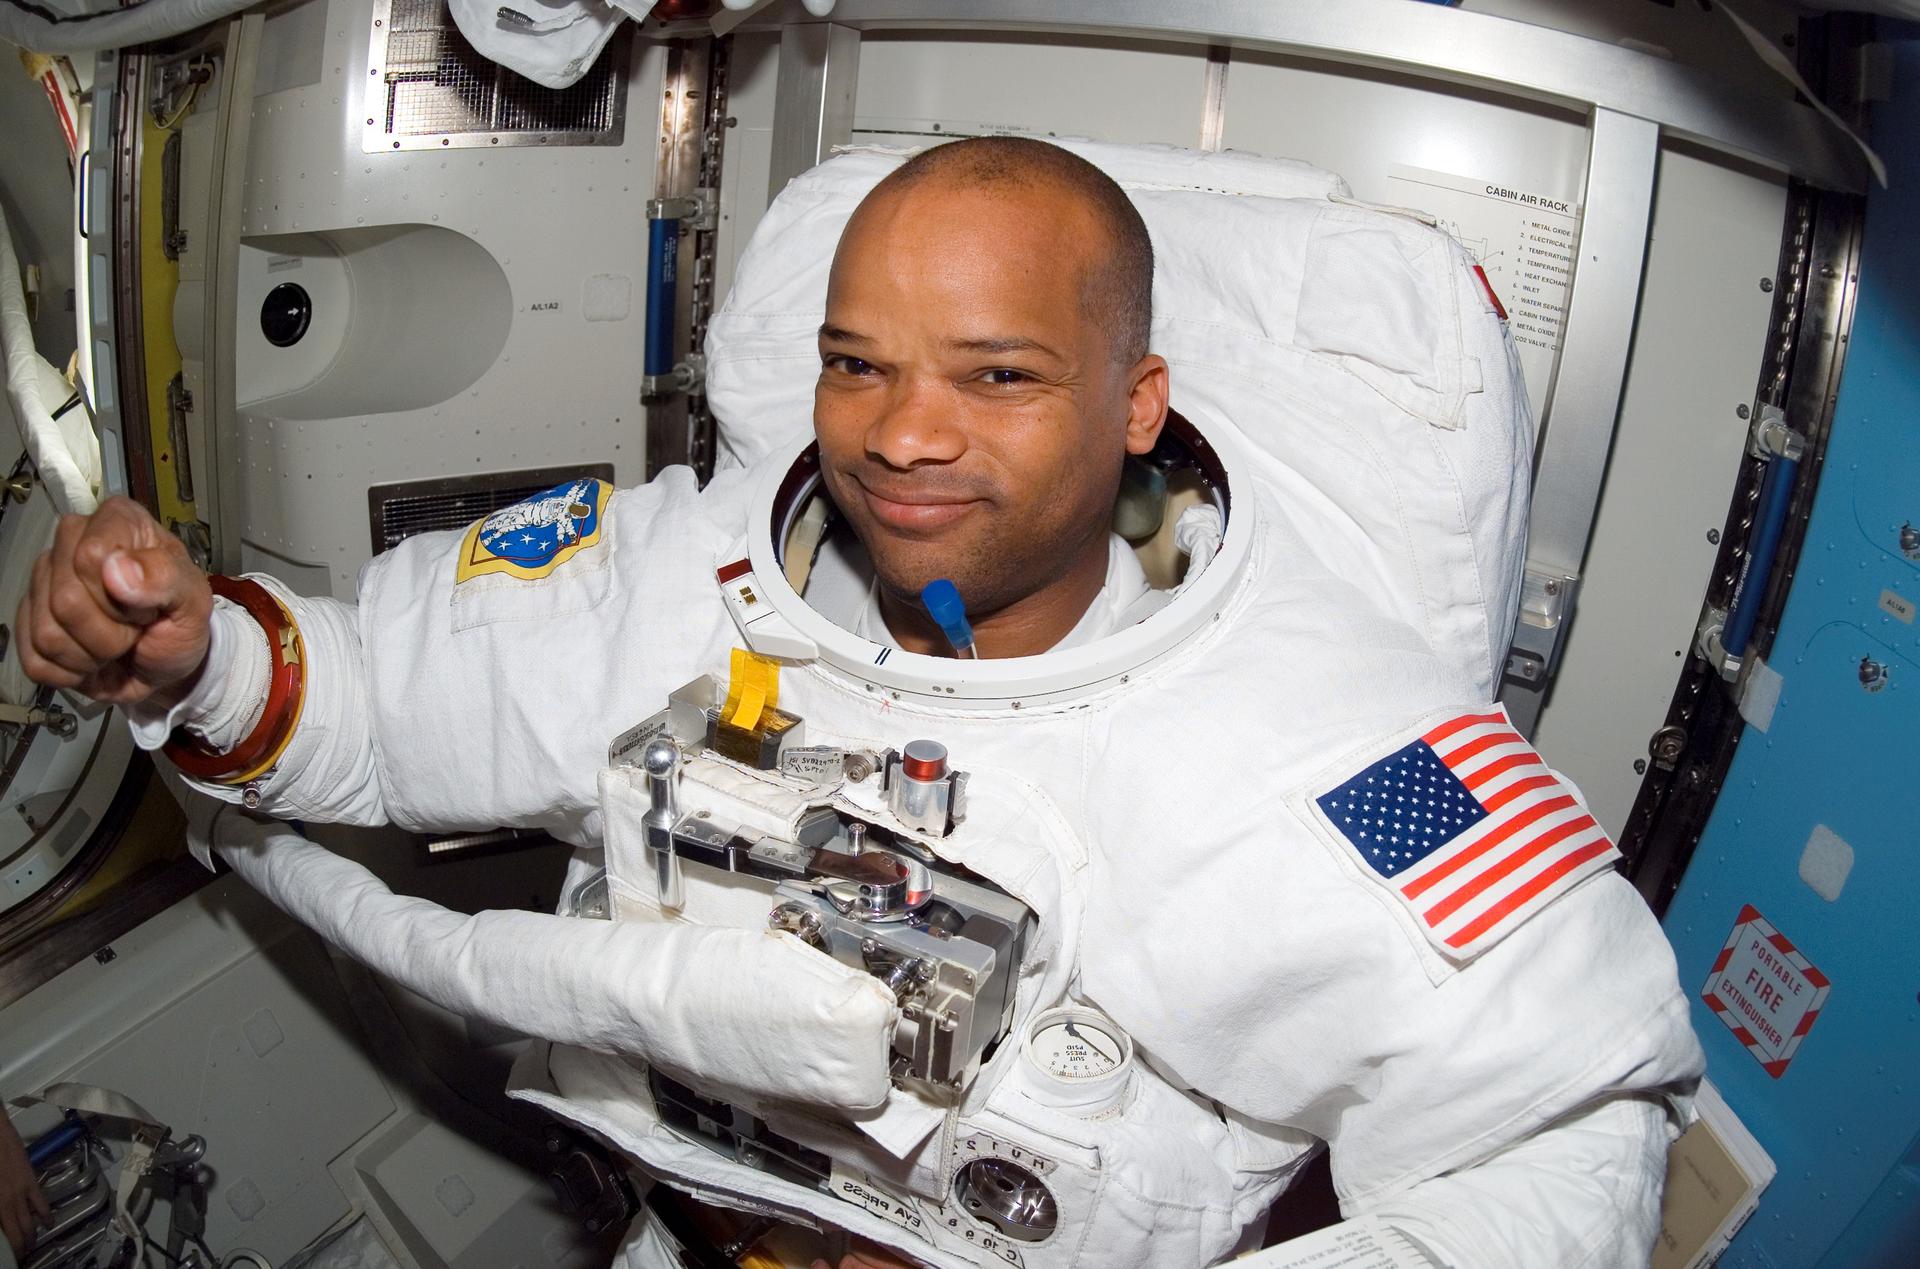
661,762
1007,1197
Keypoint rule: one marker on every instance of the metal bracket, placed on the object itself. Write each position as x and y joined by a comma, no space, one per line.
687,376
1546,607
699,211
1707,645
1771,437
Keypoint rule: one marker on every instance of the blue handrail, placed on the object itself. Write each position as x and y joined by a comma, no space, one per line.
1776,492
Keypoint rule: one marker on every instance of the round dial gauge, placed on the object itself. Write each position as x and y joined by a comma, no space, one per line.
1078,1058
1072,1048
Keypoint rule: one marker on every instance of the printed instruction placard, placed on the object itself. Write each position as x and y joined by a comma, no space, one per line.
1524,238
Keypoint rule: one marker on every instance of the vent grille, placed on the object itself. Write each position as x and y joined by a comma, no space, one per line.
430,89
396,512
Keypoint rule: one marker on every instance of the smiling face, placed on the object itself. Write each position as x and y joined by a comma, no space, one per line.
973,410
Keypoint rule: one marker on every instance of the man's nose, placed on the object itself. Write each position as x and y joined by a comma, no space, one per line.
917,426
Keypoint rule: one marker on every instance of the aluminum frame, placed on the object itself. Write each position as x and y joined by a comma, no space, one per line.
1583,402
1506,57
220,414
819,71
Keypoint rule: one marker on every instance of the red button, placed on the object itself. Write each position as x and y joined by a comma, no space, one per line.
924,760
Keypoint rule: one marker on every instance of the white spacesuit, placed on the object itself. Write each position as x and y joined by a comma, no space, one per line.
1157,829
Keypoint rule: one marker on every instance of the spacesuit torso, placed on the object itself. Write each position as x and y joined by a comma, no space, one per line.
1158,821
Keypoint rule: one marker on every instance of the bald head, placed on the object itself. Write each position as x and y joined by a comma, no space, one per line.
984,374
1117,287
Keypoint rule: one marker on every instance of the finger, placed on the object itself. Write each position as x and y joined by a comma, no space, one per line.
150,583
38,668
67,536
119,527
45,672
50,642
38,1200
112,529
87,617
67,532
131,523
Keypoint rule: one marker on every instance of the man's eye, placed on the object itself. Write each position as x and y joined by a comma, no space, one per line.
847,365
1006,376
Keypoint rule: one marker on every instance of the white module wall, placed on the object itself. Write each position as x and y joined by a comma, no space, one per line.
1494,172
475,308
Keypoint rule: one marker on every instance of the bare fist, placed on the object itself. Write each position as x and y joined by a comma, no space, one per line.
116,609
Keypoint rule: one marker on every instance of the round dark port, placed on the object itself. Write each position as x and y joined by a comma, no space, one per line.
285,314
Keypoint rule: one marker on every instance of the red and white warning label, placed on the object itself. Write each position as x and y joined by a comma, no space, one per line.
1765,991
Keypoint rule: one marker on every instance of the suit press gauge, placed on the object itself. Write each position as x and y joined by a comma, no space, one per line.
1077,1061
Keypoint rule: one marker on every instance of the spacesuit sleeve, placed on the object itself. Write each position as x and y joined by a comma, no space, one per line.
329,771
1581,1193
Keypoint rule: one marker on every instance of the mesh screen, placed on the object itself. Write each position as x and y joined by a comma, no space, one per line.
437,85
400,511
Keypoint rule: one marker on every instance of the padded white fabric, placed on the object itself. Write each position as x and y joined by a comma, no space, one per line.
723,1006
1350,346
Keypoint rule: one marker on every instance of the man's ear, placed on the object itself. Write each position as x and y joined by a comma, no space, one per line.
1147,402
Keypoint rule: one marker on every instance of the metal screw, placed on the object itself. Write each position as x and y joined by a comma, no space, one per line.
1873,675
1553,586
1766,284
1667,745
1639,766
1743,411
1909,546
1713,536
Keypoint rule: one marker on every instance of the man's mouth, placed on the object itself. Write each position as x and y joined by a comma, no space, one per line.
917,509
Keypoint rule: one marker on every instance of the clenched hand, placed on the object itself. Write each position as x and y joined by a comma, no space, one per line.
116,610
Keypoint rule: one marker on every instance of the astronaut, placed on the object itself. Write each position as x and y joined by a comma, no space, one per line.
1243,859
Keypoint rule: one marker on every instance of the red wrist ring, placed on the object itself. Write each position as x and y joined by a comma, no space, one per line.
286,693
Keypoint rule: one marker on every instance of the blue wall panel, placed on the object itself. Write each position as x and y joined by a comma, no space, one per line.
1843,1120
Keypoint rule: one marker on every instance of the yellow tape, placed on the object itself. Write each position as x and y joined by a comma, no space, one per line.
753,687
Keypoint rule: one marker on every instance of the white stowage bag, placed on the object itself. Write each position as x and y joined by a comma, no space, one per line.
705,1001
551,42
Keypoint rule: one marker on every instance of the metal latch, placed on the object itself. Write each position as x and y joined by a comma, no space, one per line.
1709,645
688,375
700,210
1770,437
1546,606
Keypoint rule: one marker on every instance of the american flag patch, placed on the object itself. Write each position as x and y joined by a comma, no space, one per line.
1468,828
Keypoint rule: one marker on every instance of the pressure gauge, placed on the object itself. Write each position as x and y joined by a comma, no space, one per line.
1077,1060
